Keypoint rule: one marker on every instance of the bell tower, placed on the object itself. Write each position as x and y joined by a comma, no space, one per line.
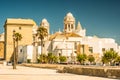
45,24
69,23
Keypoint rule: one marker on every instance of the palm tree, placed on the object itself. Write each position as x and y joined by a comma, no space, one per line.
42,33
18,38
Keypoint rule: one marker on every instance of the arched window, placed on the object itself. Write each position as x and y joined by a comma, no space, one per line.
65,26
69,27
60,54
72,26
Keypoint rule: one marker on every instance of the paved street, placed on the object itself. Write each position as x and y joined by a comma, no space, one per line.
28,73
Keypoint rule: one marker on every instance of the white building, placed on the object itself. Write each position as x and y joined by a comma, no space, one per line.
71,41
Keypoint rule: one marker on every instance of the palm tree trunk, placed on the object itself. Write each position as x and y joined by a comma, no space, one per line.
14,53
17,53
41,46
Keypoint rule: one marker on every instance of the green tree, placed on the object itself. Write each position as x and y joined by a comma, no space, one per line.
62,58
109,56
118,60
42,33
81,58
52,58
104,60
55,59
91,58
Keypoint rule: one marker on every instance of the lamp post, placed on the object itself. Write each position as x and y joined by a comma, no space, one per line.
14,51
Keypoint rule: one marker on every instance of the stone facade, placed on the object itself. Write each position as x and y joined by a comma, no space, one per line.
22,26
1,49
2,46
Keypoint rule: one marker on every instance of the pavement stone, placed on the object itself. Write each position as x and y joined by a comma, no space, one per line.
30,73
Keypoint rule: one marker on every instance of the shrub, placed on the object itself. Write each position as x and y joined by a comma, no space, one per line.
81,58
62,59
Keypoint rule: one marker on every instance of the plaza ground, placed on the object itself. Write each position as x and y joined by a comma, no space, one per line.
30,73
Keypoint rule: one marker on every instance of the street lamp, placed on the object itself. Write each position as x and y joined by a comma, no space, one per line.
14,51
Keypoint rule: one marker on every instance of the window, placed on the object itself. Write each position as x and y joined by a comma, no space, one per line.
65,26
111,49
60,54
91,49
83,48
75,44
20,50
43,45
20,28
75,51
71,26
103,49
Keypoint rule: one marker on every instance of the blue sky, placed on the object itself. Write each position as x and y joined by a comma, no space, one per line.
98,17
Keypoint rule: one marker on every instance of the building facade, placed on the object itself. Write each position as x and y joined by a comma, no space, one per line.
2,46
73,41
70,42
22,26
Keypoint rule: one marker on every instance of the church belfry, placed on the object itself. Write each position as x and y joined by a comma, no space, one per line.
45,24
69,23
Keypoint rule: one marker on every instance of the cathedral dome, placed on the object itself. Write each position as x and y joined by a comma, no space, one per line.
69,17
70,14
44,20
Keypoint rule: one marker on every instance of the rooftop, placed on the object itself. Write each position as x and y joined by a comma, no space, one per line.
20,21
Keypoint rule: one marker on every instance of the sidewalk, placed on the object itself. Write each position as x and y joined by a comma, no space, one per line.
28,73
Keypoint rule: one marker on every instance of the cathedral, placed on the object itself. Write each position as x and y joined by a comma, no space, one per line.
70,42
73,41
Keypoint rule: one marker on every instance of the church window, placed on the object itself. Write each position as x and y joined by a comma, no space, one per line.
65,26
75,51
111,49
60,54
103,49
71,26
83,48
75,44
91,49
20,28
43,45
20,51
